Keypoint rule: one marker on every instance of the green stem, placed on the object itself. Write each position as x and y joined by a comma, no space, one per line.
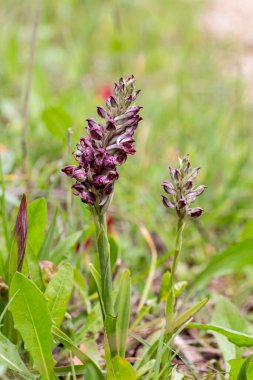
178,247
170,304
106,280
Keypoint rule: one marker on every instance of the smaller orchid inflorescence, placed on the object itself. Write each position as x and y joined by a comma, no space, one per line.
106,146
181,189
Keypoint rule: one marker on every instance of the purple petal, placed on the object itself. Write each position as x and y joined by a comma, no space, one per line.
169,188
167,203
68,170
195,212
102,112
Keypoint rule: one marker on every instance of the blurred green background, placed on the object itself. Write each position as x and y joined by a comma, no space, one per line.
83,47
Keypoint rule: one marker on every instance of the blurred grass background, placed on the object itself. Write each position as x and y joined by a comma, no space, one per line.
83,46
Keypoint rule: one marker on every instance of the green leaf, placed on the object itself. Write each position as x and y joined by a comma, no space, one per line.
12,262
32,319
236,337
241,369
114,251
120,369
227,315
58,293
9,356
64,246
44,252
232,260
37,217
68,343
57,121
97,278
122,308
188,314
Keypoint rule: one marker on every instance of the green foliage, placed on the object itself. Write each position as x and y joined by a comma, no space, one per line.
32,319
241,369
120,369
227,316
58,293
238,338
67,342
122,309
37,216
9,356
189,106
232,260
63,248
188,314
44,252
56,120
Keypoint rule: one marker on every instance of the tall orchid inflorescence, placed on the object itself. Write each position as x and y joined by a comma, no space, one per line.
181,189
106,146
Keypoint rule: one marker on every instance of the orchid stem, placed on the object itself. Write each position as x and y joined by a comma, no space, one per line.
106,280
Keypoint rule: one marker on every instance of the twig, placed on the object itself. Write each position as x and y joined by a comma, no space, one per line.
25,108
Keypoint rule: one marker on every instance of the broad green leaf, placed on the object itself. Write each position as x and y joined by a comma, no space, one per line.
37,217
31,267
64,246
189,314
58,293
120,369
232,260
68,343
236,337
32,319
44,252
12,262
241,369
227,315
122,308
9,356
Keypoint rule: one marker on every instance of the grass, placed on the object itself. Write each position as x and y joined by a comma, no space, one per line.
190,106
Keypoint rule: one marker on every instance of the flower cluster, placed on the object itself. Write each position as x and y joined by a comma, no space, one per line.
106,146
181,189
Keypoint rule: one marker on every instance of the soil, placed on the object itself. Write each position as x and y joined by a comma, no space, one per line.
231,21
